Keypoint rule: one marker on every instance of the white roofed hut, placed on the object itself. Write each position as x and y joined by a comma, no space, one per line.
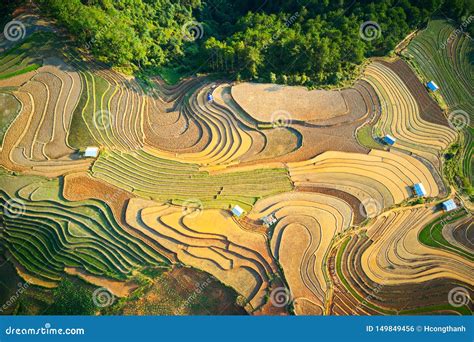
91,152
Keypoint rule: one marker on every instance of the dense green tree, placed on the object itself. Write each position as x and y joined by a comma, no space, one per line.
71,299
315,44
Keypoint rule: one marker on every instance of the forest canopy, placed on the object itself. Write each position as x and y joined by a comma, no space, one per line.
312,42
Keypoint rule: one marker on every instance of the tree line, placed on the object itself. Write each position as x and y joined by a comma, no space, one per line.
315,44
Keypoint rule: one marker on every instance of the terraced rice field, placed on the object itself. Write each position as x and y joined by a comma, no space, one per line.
10,108
446,57
209,240
164,180
438,53
383,177
345,235
49,233
388,263
36,141
307,223
401,116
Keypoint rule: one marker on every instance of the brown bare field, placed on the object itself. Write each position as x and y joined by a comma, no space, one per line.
261,101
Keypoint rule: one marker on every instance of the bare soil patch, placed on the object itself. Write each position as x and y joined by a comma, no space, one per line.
261,101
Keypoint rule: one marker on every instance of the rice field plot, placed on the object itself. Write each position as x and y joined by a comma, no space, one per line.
109,111
165,180
440,54
168,123
301,237
396,242
467,159
27,56
36,141
315,134
107,114
210,240
344,299
9,109
387,269
460,233
356,293
46,233
434,234
401,116
378,180
261,101
227,141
